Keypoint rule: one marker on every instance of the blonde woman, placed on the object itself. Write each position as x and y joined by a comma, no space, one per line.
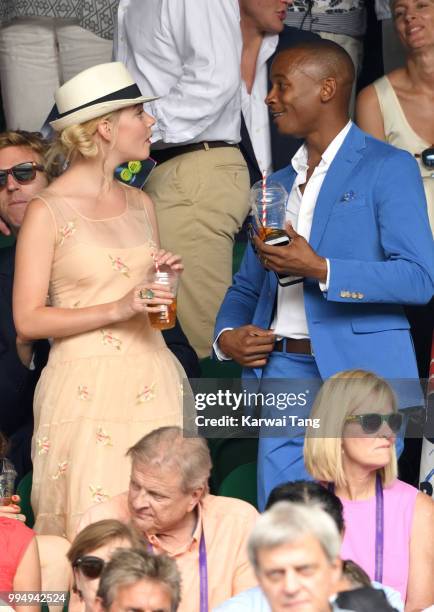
389,524
89,243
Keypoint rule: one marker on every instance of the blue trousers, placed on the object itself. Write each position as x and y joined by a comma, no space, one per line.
280,458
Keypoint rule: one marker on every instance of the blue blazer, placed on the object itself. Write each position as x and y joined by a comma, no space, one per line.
371,222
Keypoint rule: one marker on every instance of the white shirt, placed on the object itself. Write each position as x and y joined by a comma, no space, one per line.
290,319
255,111
188,52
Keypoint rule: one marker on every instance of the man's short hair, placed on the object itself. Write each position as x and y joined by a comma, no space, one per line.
129,566
166,446
30,140
287,523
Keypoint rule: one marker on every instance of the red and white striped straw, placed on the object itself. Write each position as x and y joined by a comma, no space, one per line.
264,198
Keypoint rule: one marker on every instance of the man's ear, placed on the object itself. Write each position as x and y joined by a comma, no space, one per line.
336,568
328,89
196,496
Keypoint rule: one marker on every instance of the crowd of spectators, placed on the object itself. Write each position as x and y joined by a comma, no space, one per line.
115,505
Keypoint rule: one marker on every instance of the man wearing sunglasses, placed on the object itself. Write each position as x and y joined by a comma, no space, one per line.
22,176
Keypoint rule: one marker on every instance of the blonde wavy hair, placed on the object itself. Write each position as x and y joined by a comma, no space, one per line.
78,140
340,396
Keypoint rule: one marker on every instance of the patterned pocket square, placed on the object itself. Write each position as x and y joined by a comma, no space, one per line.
348,196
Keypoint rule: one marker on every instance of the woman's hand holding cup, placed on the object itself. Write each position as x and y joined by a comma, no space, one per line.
12,510
146,297
166,258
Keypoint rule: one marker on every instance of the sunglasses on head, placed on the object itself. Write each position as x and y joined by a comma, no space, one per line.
89,566
427,157
371,423
22,173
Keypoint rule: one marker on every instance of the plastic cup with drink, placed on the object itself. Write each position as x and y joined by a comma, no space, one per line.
7,482
165,318
268,202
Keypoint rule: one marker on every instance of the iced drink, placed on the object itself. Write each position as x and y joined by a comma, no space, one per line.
165,318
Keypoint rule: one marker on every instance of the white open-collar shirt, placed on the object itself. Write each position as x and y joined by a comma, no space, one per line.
290,318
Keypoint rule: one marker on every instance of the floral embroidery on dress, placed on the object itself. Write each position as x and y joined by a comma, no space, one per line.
103,438
98,494
66,231
109,339
83,392
43,445
119,266
146,394
61,469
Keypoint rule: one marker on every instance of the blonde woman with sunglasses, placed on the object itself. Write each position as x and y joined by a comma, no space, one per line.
389,524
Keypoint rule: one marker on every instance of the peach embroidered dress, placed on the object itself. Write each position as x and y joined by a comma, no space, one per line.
101,390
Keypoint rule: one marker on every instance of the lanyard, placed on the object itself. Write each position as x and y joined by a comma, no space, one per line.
379,526
379,529
203,573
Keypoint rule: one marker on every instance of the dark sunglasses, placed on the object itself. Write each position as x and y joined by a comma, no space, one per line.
89,566
23,173
371,423
427,157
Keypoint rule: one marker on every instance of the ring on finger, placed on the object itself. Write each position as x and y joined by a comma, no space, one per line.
146,294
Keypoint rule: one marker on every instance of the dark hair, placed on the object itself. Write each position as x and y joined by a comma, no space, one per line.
355,574
364,599
307,492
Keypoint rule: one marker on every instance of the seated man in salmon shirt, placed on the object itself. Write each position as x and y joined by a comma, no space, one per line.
169,503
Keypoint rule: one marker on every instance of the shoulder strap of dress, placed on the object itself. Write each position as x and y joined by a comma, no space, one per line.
386,96
59,213
136,201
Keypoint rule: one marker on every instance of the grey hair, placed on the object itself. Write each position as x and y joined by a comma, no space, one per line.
167,447
129,566
287,522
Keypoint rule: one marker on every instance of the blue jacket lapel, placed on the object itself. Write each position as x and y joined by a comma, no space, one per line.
336,182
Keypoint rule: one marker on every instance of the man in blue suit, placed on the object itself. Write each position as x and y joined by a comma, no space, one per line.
359,238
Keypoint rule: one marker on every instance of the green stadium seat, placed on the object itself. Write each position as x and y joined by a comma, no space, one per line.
24,490
241,483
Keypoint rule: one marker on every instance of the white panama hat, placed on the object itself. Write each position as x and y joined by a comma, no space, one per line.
95,92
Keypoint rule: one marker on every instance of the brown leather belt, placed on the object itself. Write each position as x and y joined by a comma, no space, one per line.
163,155
291,345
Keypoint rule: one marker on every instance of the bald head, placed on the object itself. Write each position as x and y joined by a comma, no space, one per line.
322,59
312,84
